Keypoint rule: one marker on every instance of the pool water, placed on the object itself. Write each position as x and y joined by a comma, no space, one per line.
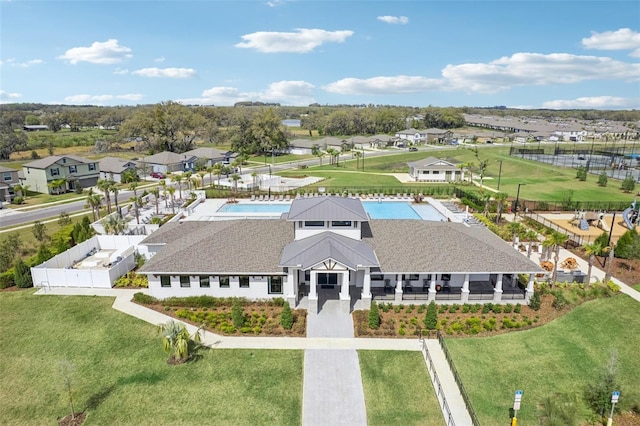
376,210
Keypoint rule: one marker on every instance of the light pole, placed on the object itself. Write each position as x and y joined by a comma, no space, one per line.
499,173
269,180
515,206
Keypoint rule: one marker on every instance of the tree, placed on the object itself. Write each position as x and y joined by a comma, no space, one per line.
66,371
43,254
39,231
177,342
374,316
135,200
628,184
155,191
210,170
237,314
591,250
22,274
56,184
603,179
105,186
500,198
9,249
114,225
431,318
286,317
581,173
10,140
172,192
235,177
94,201
177,179
554,241
628,245
64,219
597,394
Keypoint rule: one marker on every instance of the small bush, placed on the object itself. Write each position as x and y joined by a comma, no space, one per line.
22,274
237,314
486,308
421,308
496,309
286,317
535,303
144,299
443,309
431,318
374,316
6,279
518,308
17,200
507,308
278,301
466,308
475,308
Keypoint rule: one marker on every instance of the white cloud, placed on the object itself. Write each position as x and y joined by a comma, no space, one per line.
622,39
275,3
108,52
166,72
9,97
303,40
536,69
294,93
99,99
383,85
120,71
25,64
394,19
160,59
595,102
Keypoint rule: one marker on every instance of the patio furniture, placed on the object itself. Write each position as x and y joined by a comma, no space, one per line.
253,197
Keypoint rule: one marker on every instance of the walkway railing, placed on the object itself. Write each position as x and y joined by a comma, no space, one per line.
436,384
458,380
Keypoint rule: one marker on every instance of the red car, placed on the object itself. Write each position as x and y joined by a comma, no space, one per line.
158,175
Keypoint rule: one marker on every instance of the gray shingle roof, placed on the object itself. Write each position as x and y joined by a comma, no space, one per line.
328,245
115,165
432,163
166,158
444,247
206,153
327,208
43,163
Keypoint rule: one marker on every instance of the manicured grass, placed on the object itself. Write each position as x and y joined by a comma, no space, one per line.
261,160
636,287
121,375
560,357
397,389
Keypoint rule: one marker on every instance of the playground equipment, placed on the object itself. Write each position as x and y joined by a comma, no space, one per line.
602,224
631,216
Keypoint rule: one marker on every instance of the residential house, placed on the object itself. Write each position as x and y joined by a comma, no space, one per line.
335,252
166,162
69,170
380,141
302,146
438,136
35,128
207,157
112,168
435,170
410,137
8,179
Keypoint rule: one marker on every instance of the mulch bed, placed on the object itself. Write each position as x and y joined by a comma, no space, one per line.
75,421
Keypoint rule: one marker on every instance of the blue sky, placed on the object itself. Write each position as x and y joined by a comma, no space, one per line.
530,54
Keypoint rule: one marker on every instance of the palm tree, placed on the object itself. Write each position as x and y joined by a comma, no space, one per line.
156,194
135,201
177,179
56,184
187,178
116,190
235,177
486,197
94,201
202,174
210,170
172,192
500,198
607,274
133,186
254,178
114,224
105,185
237,163
530,236
592,250
554,241
177,342
218,169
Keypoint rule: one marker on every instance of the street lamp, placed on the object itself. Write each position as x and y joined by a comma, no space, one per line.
515,206
499,173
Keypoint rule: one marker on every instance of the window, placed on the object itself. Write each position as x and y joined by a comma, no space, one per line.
55,172
165,281
435,172
73,169
307,276
410,277
204,281
327,279
377,277
275,284
185,281
446,277
224,281
244,281
345,223
6,176
313,223
92,166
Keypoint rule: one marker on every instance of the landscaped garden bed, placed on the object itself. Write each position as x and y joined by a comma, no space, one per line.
459,320
232,316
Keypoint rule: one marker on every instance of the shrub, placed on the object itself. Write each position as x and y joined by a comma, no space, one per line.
237,314
475,308
486,308
517,308
279,301
490,324
17,200
507,308
421,308
431,318
603,179
496,309
613,286
559,301
443,309
144,299
286,317
374,316
6,279
536,301
466,308
22,274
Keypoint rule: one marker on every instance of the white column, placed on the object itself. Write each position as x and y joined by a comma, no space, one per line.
497,291
529,292
432,287
464,295
312,300
366,289
291,287
345,298
398,297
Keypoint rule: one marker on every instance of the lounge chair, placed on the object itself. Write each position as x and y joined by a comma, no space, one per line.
253,197
351,195
398,195
357,195
404,195
272,198
261,198
287,197
281,197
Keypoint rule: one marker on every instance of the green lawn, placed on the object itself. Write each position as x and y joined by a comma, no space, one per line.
560,357
398,389
121,375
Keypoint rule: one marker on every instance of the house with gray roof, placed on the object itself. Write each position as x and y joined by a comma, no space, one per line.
207,156
328,248
8,179
166,162
112,168
59,173
433,169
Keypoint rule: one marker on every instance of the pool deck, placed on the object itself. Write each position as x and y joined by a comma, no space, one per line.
208,210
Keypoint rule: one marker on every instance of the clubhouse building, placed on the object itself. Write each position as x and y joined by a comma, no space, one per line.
327,247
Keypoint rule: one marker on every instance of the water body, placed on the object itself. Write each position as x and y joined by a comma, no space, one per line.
291,123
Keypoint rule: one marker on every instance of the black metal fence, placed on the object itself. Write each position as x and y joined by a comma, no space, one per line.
456,376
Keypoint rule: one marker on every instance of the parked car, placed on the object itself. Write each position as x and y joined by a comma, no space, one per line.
413,148
489,142
158,175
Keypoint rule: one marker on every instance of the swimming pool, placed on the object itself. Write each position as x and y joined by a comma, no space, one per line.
376,210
